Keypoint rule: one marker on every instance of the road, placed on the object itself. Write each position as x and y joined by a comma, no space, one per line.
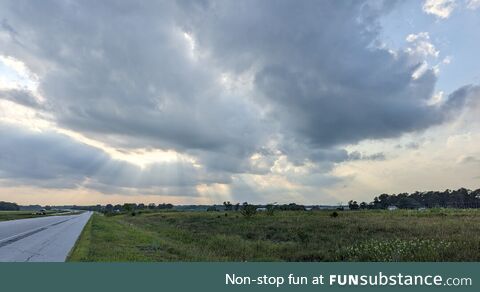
44,239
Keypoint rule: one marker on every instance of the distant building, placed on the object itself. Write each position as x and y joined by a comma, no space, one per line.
261,209
392,208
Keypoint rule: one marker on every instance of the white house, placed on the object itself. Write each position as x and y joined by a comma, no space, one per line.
392,208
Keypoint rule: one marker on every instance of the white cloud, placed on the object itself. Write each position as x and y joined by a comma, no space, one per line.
437,98
473,4
421,45
422,69
439,8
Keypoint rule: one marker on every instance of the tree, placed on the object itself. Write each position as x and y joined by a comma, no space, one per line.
128,207
228,206
151,206
212,209
408,203
461,198
165,206
109,208
353,205
7,206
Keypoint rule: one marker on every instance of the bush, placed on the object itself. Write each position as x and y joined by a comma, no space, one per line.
270,210
303,236
248,210
396,250
334,214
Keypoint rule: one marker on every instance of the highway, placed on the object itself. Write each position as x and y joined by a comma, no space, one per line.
43,239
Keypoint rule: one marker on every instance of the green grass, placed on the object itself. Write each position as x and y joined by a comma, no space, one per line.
432,235
14,215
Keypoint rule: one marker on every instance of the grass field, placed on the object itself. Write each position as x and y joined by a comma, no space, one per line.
431,235
14,215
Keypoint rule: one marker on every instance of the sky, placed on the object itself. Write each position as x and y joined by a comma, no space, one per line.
200,102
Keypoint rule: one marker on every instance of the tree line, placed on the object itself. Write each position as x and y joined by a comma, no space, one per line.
7,206
461,198
127,207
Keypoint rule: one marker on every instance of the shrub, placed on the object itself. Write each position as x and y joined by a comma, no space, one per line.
303,236
396,250
270,210
248,210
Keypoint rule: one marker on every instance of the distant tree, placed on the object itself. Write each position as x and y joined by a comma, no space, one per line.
353,205
212,209
461,198
236,207
128,207
408,203
363,205
291,207
165,206
141,206
7,206
228,206
109,208
151,206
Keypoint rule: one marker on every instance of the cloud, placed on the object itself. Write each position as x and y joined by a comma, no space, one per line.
468,159
359,156
22,97
53,160
243,87
123,74
473,4
325,89
421,45
439,8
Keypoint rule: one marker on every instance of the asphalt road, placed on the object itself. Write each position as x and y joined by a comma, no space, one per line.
44,239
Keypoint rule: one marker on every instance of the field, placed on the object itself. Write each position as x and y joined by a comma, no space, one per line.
402,235
14,215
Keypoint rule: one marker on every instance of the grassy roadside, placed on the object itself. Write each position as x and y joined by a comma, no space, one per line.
433,235
104,239
82,246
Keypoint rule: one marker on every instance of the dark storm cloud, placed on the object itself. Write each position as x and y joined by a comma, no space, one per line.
46,157
319,69
123,72
468,94
127,73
